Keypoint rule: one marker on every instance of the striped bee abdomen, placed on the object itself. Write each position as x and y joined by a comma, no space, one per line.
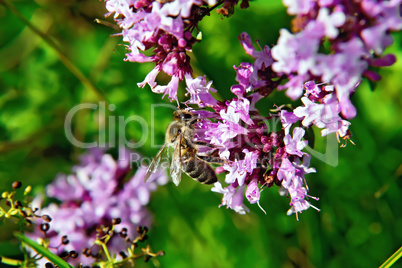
198,169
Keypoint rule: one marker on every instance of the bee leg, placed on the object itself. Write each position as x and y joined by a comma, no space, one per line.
193,121
211,159
184,143
203,143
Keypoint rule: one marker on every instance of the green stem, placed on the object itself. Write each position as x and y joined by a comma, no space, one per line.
104,247
63,58
9,261
391,260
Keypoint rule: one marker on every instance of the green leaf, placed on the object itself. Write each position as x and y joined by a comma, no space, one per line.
43,251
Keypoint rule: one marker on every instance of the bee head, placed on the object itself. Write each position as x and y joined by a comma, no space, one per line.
173,131
182,115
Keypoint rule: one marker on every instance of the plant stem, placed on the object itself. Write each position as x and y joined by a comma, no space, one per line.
106,251
391,260
9,261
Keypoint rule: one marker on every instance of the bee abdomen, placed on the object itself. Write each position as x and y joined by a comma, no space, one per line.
208,176
200,171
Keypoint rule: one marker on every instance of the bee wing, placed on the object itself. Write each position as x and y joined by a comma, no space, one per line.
155,163
175,167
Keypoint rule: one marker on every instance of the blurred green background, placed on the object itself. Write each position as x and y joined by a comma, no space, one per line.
360,223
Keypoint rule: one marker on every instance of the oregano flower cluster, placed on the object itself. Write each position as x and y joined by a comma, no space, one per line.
167,28
99,190
332,46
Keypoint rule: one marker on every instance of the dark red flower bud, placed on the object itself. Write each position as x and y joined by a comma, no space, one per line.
44,227
46,218
116,221
73,254
64,240
16,185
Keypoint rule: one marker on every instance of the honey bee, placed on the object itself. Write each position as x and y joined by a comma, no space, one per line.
180,136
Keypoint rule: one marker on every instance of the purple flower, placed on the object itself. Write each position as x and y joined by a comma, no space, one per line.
286,173
165,27
262,58
239,169
299,6
295,145
324,115
304,167
94,195
250,160
297,52
232,197
288,119
170,89
299,206
322,61
331,21
293,183
199,90
150,78
349,56
246,76
237,172
253,192
241,107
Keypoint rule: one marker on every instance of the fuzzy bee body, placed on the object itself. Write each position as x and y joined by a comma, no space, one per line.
185,158
197,168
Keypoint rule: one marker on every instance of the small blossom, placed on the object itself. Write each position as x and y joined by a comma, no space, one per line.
253,192
331,22
232,197
299,6
199,90
287,119
295,145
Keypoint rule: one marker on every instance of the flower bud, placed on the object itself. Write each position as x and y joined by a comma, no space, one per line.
86,252
123,233
143,238
16,185
44,227
264,139
64,254
46,218
17,204
64,240
116,221
28,189
267,147
139,229
73,254
182,42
